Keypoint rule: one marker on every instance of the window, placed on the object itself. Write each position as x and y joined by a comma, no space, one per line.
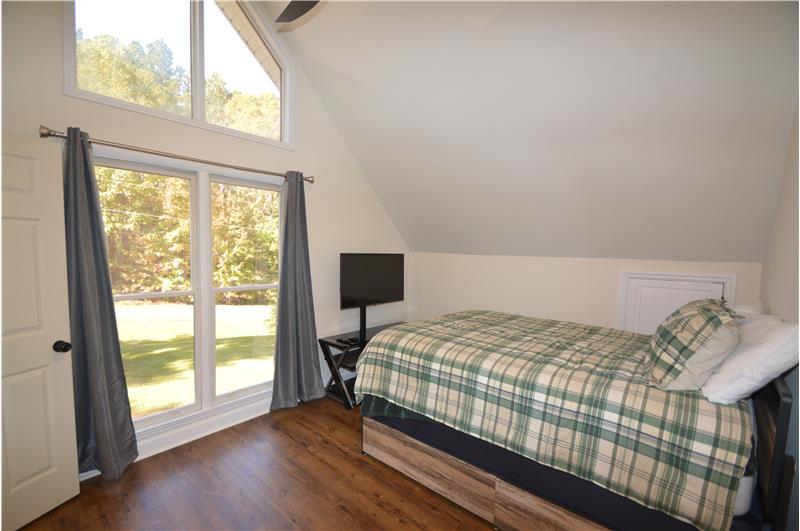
146,64
242,78
195,294
244,224
201,62
148,224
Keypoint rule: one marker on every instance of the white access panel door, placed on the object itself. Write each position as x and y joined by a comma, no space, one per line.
646,302
40,463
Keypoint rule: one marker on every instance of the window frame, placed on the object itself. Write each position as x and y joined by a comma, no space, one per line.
207,403
196,406
197,77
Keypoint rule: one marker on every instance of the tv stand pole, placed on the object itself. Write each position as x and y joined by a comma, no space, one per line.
362,328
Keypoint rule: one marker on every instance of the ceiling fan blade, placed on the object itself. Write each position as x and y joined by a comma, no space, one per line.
295,10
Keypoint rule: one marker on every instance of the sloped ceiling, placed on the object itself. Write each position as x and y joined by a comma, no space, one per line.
628,130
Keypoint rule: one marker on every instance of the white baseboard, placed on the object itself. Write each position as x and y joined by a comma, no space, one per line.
89,474
157,439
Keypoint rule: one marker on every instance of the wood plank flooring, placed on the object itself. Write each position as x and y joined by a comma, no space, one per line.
291,469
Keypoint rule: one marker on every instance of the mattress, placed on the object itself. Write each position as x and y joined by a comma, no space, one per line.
572,397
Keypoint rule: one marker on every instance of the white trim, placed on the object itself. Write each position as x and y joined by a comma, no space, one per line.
728,282
153,164
197,270
71,84
143,167
197,59
89,474
274,185
246,287
155,113
244,392
207,335
146,295
70,53
162,417
266,29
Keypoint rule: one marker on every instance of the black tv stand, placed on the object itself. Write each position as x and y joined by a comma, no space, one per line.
341,352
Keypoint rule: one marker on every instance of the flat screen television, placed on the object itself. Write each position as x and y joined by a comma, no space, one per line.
367,279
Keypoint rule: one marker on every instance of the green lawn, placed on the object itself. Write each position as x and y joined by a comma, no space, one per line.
158,351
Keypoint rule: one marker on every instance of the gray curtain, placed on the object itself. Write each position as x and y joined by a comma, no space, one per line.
297,376
106,440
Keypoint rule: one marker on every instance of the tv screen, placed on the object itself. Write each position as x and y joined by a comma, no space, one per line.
369,279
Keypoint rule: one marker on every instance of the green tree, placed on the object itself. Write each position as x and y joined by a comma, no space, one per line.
134,73
245,239
148,233
256,114
217,94
147,225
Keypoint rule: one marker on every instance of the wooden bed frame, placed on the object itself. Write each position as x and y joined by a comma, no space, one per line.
509,507
776,468
478,491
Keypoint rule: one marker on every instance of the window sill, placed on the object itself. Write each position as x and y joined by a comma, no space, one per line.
159,438
155,113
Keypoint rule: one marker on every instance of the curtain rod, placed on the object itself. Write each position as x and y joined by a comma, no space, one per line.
45,132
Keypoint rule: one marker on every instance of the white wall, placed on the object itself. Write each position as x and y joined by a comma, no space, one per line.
344,213
779,285
585,129
585,290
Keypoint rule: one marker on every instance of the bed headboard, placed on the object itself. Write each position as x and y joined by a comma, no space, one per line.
773,408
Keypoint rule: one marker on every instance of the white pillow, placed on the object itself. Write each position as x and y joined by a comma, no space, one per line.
750,310
767,348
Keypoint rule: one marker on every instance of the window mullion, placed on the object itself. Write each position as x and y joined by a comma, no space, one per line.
206,357
147,295
246,287
198,78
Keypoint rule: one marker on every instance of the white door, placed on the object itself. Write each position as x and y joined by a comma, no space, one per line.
40,463
648,301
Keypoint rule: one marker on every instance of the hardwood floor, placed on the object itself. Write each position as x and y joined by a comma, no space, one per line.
292,469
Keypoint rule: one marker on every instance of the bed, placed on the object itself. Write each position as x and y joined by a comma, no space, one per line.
559,412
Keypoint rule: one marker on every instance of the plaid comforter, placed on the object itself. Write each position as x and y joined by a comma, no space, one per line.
570,396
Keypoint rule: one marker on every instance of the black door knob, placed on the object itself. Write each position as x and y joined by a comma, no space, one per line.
62,346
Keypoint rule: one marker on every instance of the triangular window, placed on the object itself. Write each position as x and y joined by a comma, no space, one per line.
242,77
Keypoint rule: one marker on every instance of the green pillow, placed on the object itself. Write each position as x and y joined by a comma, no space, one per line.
682,335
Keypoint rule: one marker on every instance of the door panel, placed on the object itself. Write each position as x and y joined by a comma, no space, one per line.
21,303
650,301
33,454
40,468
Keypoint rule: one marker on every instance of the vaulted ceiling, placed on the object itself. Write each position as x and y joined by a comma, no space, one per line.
628,130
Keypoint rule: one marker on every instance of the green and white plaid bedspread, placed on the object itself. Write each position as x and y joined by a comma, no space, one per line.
570,396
